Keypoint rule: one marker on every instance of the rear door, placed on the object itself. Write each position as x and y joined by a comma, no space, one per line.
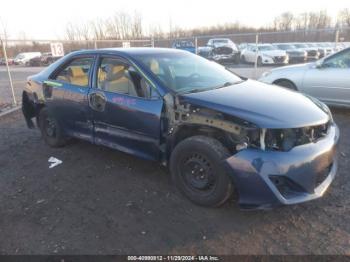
69,87
330,82
126,108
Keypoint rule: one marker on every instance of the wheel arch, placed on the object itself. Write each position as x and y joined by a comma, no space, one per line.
188,130
275,82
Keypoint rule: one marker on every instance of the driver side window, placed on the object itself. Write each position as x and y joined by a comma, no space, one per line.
339,60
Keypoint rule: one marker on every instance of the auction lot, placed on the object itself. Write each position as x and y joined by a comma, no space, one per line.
100,201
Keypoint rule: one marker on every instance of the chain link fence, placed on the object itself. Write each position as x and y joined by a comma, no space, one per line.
13,74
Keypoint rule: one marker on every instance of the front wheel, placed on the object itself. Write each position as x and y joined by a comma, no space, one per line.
286,83
50,129
197,169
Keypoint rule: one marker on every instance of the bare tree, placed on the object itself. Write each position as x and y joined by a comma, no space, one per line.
344,17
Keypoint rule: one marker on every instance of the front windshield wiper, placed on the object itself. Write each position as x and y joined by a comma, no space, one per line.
196,90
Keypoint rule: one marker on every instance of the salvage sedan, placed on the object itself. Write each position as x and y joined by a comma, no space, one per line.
327,79
216,131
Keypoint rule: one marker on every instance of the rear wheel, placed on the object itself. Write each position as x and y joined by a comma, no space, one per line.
50,129
286,83
197,169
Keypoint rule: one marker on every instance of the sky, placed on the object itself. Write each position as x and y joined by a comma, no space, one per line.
47,19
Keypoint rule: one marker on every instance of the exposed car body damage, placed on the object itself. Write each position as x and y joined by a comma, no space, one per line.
220,50
273,155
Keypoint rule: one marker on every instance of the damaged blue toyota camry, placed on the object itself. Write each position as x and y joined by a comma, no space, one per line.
217,132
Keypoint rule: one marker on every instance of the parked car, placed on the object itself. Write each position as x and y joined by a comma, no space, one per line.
9,61
295,55
242,46
321,50
221,50
184,45
327,79
24,58
215,130
328,49
43,60
265,54
312,52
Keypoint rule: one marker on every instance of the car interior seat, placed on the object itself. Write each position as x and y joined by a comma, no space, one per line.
117,80
77,76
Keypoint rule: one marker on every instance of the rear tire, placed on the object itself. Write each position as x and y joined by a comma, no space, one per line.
51,131
286,83
197,169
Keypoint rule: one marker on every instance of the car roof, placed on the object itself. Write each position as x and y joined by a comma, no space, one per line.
129,51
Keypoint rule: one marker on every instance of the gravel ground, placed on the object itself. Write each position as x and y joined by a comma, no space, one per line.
100,201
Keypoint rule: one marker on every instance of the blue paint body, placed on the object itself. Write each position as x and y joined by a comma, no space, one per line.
136,125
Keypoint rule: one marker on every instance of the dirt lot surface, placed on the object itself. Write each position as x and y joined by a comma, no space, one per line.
100,201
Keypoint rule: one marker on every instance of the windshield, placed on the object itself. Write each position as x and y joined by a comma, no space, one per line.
266,47
301,45
285,47
186,72
220,41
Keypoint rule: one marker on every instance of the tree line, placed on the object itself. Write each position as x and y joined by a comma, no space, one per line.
123,25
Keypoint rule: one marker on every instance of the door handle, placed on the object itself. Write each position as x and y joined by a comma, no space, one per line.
97,101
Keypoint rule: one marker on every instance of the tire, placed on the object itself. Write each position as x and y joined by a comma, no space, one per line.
243,59
286,83
198,172
50,129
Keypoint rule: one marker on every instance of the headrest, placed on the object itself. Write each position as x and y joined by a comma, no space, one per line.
154,66
76,72
114,71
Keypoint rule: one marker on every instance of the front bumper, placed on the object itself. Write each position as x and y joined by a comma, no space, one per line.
297,59
226,58
265,179
278,60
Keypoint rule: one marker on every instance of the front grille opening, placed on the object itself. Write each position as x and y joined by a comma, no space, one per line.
286,139
286,186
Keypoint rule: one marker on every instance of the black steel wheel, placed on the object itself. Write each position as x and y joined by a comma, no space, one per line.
197,170
50,129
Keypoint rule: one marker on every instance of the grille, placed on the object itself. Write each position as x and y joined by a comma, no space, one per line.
279,59
286,139
312,53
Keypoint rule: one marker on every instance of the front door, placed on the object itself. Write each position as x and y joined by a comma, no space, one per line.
73,80
126,109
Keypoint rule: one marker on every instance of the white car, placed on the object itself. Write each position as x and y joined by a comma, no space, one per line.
23,58
265,54
327,79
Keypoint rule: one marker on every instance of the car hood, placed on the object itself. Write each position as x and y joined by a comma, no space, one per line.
264,105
